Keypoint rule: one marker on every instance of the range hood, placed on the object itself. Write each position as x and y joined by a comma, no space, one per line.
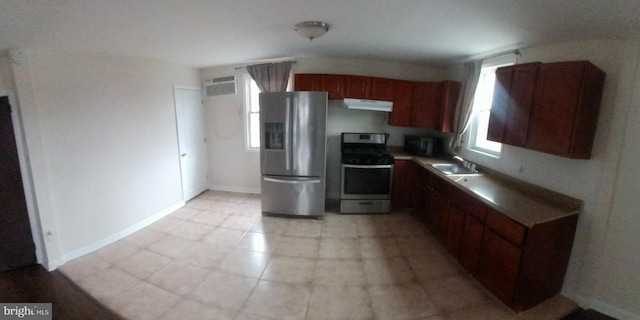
372,105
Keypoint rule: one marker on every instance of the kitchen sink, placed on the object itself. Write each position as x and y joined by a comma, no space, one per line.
453,169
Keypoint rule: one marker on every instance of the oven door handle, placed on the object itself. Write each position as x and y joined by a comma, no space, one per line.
369,166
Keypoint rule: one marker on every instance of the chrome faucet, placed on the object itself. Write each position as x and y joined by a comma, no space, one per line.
467,164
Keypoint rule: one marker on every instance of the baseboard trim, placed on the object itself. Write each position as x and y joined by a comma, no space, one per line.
234,189
606,308
52,265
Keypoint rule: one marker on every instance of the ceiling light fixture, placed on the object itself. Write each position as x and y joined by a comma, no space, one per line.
311,29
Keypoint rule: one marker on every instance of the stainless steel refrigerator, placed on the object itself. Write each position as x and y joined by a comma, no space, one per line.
293,153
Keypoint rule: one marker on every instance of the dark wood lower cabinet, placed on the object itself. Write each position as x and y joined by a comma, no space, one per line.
524,266
401,184
521,265
466,228
499,266
471,245
421,196
455,230
438,216
546,254
421,201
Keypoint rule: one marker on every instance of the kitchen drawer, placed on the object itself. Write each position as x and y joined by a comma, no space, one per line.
365,206
505,227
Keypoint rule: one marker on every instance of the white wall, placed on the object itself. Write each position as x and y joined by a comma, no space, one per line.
619,283
231,167
6,73
593,180
101,135
234,169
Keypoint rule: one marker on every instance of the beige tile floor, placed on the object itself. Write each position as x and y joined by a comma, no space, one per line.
218,258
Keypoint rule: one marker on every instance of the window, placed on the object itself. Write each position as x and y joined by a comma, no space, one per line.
252,114
482,106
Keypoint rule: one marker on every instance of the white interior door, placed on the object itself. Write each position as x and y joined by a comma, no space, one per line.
192,141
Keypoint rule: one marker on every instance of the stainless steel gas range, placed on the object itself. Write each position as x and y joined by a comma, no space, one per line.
367,168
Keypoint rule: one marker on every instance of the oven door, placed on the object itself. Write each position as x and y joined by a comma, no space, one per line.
366,181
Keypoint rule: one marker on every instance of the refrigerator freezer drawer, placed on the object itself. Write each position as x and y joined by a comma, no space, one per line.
365,206
295,196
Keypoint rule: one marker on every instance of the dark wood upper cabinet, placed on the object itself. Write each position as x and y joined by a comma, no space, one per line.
511,108
499,104
519,111
547,107
383,89
565,108
428,105
357,87
449,92
403,98
334,85
307,82
431,105
425,108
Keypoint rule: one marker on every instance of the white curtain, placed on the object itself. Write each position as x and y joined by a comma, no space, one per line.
271,77
465,102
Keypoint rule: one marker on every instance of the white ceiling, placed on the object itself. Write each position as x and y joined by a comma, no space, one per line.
203,33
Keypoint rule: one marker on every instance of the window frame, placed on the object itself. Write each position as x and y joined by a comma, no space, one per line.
475,127
248,83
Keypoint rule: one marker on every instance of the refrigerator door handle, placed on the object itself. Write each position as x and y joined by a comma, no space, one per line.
292,181
287,136
294,132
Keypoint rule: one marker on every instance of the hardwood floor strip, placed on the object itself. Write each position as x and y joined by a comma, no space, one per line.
34,284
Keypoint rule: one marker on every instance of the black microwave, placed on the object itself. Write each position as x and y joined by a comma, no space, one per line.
422,145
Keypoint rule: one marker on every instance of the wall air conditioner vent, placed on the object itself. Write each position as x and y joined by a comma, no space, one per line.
219,87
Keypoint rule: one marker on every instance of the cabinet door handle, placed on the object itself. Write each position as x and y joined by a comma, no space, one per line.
183,155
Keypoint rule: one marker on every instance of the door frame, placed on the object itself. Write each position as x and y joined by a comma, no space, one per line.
27,177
